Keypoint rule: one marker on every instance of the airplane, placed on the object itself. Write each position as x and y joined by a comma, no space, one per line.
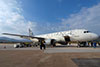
64,37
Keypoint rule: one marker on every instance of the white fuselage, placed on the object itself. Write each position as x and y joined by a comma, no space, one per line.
75,35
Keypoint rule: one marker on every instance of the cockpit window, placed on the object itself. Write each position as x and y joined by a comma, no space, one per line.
86,31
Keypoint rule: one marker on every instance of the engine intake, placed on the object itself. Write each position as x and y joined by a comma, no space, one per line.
50,42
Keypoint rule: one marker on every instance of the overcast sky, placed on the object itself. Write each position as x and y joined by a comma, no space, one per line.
47,16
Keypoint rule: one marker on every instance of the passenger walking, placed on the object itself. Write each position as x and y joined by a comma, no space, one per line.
91,44
42,44
94,45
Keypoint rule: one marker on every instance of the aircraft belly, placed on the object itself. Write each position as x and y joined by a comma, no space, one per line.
79,39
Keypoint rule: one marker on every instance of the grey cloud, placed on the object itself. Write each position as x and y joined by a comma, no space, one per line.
88,18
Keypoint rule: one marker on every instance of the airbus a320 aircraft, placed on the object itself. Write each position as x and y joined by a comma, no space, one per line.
77,35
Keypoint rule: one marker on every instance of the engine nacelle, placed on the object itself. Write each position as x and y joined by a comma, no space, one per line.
50,42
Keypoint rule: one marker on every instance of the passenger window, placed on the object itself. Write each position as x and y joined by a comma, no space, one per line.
84,31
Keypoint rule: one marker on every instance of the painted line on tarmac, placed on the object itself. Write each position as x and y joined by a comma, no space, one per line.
63,50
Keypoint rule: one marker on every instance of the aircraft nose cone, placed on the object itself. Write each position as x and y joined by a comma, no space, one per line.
95,36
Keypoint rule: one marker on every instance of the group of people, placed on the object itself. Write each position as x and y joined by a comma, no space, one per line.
43,44
93,44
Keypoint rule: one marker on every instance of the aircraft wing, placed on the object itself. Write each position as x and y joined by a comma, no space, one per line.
22,36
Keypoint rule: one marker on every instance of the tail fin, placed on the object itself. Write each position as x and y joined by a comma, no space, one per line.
30,32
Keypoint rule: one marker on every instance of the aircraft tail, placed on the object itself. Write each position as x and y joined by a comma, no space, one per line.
30,32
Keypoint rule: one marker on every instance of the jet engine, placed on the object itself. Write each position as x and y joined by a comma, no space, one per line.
50,42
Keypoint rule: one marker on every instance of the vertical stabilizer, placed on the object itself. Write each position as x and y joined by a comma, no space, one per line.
30,32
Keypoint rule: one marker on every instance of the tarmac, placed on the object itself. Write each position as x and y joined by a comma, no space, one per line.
51,57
